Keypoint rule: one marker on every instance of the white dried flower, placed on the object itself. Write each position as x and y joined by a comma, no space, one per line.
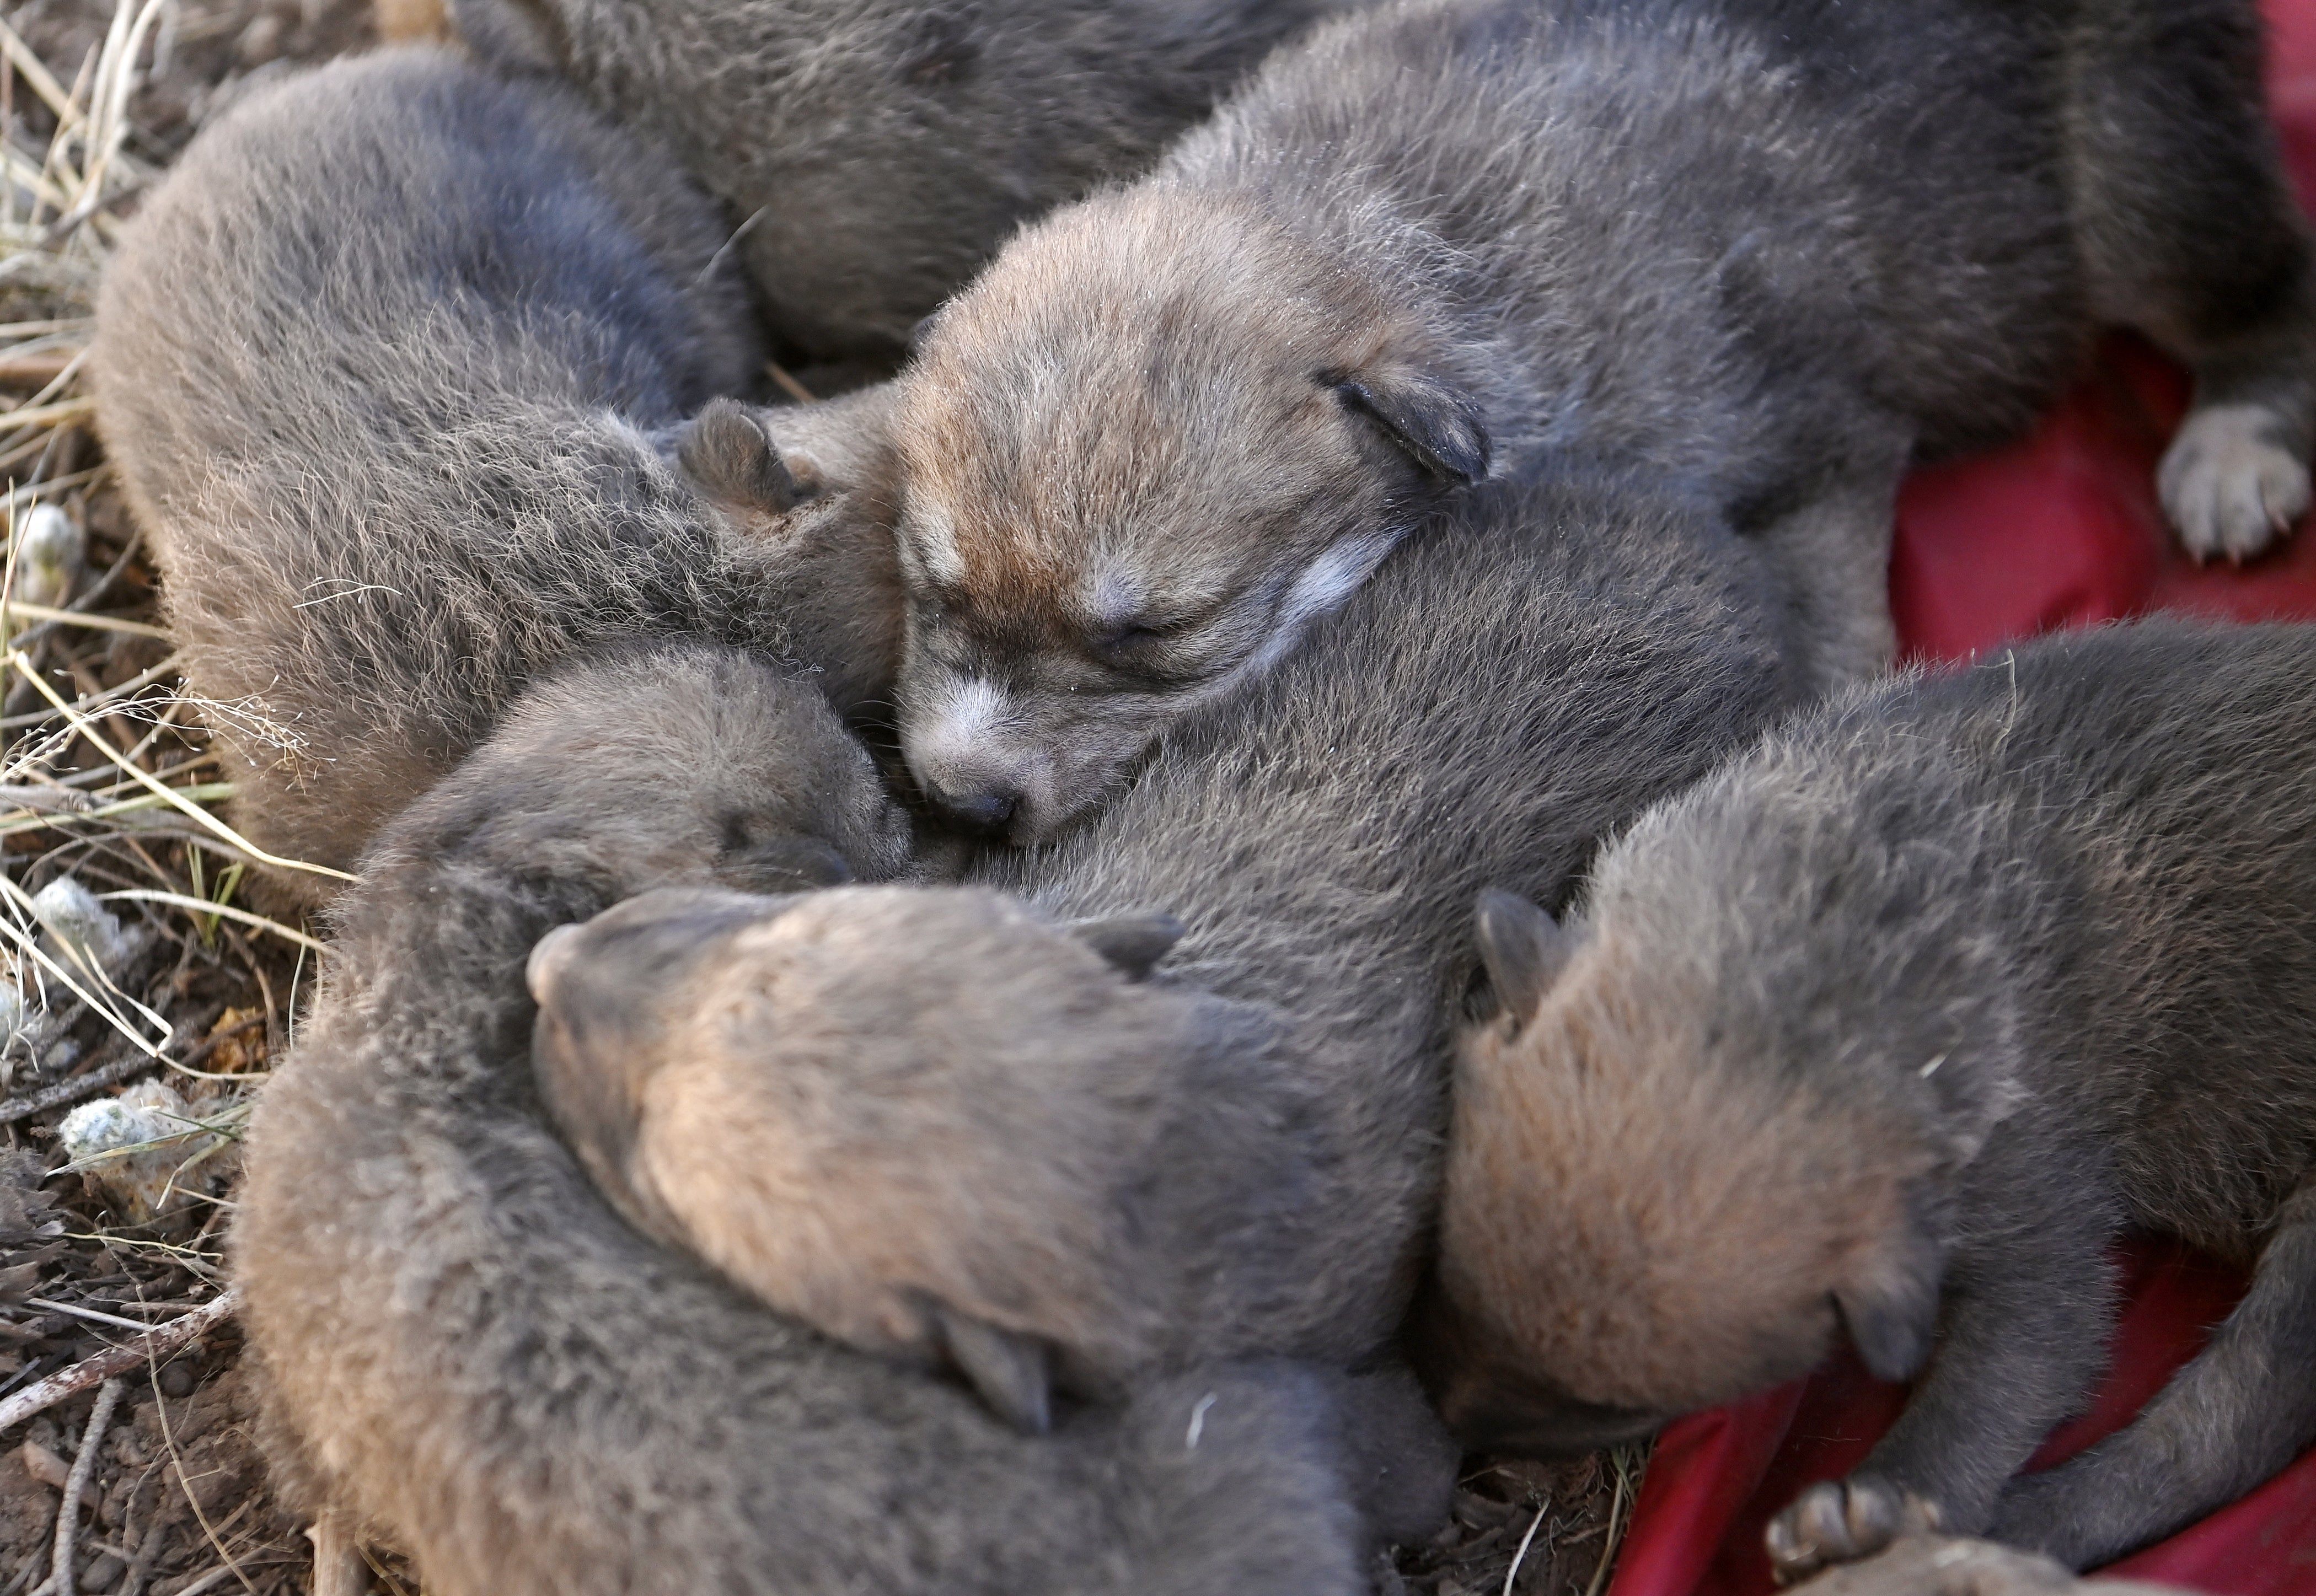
50,549
82,932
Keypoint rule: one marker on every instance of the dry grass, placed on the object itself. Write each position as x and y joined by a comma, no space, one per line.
106,779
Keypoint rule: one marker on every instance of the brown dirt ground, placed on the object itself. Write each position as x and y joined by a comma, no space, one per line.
179,1501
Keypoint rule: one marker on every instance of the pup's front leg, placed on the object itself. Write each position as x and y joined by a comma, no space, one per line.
2235,1415
1832,556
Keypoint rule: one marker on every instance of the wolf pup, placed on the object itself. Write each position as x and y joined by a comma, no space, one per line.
874,153
1580,646
465,1351
1886,1030
388,367
1777,248
916,1151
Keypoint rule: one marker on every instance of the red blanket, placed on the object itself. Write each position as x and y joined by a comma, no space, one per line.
2061,530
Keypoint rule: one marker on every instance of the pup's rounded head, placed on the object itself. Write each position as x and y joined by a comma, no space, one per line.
1156,439
910,1117
1640,1218
643,764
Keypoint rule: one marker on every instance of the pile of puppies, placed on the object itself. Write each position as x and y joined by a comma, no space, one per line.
898,1021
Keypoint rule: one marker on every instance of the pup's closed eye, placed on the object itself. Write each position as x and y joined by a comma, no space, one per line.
1135,637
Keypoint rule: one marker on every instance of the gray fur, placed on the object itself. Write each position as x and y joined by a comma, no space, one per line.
874,153
1566,650
467,1353
895,1111
1574,648
876,1108
1774,250
388,367
1889,1028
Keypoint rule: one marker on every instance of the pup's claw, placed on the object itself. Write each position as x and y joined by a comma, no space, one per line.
1841,1521
2228,483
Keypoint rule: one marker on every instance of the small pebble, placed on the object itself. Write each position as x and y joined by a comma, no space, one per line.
177,1381
104,1573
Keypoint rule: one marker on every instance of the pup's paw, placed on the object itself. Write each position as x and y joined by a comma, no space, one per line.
1932,1565
2229,483
1841,1520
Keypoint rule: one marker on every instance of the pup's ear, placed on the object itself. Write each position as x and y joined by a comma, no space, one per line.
1010,1370
1435,421
1524,948
727,455
1132,943
546,954
1890,1302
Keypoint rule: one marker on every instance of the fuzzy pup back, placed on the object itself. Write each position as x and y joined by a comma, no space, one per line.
905,1114
465,1350
1438,241
380,364
870,1110
874,153
1881,1033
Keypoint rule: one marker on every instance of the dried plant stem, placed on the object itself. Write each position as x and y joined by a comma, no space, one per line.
152,1345
338,1569
199,816
61,1571
30,67
1521,1556
46,415
169,1440
74,617
1615,1537
204,906
73,1090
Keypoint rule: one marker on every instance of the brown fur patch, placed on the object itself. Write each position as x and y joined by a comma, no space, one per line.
1648,1232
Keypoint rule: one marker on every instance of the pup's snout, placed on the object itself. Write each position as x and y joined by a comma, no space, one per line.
1493,1401
987,809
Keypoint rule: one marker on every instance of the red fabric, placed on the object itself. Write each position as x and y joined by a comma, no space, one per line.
2062,529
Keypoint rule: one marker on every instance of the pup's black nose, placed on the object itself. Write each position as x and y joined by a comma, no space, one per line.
989,812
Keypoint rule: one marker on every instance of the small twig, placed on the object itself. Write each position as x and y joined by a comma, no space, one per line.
149,1551
121,1068
339,1568
788,385
47,415
73,618
36,365
142,679
205,906
212,1580
61,1568
154,1344
47,1306
169,1442
1521,1556
56,800
36,73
